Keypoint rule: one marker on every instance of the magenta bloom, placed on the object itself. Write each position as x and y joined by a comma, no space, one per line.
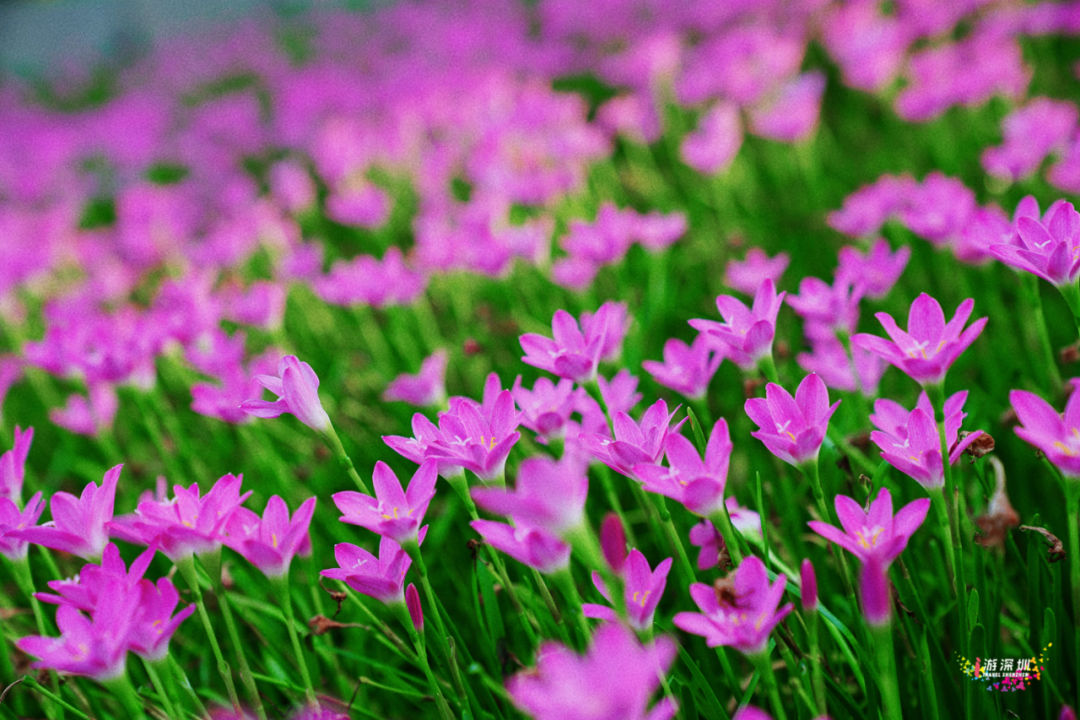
477,436
619,393
708,539
530,546
746,332
549,495
834,308
877,533
13,465
793,428
419,447
152,622
613,681
13,520
1057,436
909,441
547,407
391,513
297,388
611,321
713,145
744,620
1046,247
79,523
575,352
634,443
270,542
426,388
416,611
930,345
697,484
643,588
746,275
382,577
187,524
94,646
875,272
686,369
861,371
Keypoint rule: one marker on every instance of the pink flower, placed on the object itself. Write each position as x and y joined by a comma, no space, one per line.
427,388
643,588
747,332
79,523
94,646
742,620
877,533
633,443
297,388
746,275
382,577
1032,132
929,346
910,441
791,114
530,546
13,520
686,369
793,428
575,352
549,495
713,145
1057,436
613,681
619,393
187,524
831,308
270,542
875,272
88,415
829,359
547,407
392,513
706,537
1046,247
152,622
13,465
697,484
477,436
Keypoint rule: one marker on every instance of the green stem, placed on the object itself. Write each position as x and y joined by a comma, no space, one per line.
732,538
1029,284
1072,508
285,597
944,524
764,666
413,549
238,647
566,584
25,580
886,662
179,674
1071,293
767,366
159,687
422,658
191,577
123,691
334,440
937,397
675,540
812,473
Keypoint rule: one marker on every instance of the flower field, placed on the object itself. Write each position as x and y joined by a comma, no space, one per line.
615,360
